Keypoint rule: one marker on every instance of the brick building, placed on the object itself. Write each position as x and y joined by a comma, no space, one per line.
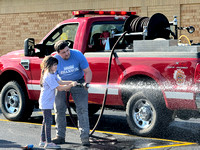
25,18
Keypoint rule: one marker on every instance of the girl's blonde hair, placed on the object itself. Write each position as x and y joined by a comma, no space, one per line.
46,64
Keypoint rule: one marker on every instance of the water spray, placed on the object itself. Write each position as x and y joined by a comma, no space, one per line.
87,85
140,86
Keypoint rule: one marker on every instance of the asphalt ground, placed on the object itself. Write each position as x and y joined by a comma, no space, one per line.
115,133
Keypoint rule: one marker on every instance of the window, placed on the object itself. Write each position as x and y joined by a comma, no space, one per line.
100,31
65,32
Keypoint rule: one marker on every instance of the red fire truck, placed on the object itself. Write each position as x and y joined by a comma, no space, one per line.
153,78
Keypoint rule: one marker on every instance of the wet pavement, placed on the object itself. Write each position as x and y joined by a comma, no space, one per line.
113,132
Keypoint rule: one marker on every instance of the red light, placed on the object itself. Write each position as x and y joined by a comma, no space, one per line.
101,12
123,13
112,12
133,13
82,13
75,13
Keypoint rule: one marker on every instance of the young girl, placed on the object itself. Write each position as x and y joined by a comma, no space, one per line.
49,82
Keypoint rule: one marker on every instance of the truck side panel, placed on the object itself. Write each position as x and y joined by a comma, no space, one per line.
172,73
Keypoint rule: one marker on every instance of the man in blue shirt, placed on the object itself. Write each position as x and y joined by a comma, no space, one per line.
72,65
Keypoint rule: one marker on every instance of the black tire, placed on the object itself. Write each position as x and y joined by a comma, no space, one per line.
13,102
147,116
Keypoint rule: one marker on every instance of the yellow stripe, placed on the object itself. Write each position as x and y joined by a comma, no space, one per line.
164,146
165,140
53,113
3,120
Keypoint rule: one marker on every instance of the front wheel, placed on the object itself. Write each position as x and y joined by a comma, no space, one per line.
13,103
147,117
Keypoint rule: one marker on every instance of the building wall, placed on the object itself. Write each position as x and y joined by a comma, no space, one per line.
24,18
190,16
16,27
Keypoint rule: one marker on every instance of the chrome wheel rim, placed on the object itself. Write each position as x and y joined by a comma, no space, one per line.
143,114
12,101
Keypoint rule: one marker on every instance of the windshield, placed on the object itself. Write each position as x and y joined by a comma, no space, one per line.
65,32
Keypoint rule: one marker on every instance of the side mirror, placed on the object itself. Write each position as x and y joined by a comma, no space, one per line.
29,47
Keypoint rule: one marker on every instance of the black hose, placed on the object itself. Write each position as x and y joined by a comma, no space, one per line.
107,82
105,96
69,110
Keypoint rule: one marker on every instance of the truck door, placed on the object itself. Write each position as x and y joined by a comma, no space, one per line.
98,53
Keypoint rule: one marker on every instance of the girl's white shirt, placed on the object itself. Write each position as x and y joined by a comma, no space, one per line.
47,94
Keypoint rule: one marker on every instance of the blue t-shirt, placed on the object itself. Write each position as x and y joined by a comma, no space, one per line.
72,68
47,95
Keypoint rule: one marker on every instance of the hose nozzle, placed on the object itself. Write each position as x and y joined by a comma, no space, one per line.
86,85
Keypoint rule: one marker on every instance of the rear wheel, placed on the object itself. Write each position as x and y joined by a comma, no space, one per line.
13,102
146,111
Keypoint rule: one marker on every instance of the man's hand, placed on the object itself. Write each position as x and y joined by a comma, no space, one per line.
74,83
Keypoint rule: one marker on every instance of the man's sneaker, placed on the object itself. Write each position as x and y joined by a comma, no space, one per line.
42,144
58,140
85,141
51,146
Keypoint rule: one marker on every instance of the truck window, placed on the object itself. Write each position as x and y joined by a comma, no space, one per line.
65,32
101,31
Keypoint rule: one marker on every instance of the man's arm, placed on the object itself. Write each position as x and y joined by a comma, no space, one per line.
66,87
62,82
88,75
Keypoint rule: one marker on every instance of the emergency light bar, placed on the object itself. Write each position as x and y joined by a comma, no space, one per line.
82,13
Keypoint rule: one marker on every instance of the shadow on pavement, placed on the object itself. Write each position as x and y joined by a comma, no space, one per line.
109,123
178,131
8,144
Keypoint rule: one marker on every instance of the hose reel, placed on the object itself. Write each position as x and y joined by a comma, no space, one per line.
157,26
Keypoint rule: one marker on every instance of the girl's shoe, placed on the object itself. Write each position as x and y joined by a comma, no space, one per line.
51,146
42,144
